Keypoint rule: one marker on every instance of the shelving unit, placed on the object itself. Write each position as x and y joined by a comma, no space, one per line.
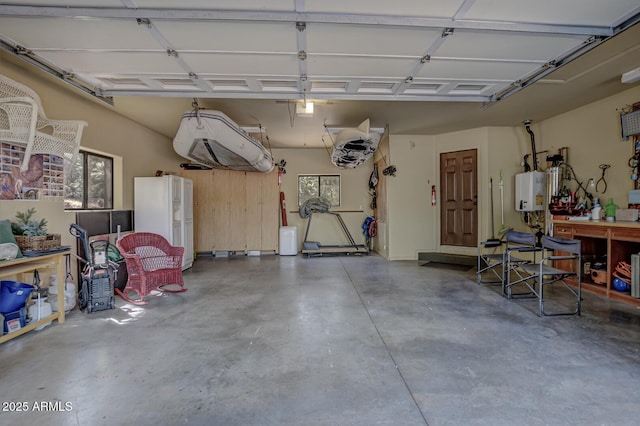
19,269
616,241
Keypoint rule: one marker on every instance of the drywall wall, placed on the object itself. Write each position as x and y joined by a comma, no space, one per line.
383,159
58,220
414,224
593,135
137,150
107,132
591,132
411,217
355,200
506,147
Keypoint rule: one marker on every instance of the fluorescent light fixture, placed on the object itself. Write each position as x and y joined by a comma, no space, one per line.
631,76
304,109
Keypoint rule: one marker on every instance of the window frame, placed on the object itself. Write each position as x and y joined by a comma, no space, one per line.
85,181
320,176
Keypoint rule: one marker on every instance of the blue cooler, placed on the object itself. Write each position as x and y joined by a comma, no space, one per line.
13,295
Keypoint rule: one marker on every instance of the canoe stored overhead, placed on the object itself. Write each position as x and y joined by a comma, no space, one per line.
354,146
212,139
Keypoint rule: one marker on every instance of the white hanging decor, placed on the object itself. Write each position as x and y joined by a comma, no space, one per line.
24,122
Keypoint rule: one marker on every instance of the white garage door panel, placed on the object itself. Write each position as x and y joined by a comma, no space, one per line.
271,5
59,33
435,8
569,12
115,63
475,70
474,44
227,36
216,64
360,67
363,39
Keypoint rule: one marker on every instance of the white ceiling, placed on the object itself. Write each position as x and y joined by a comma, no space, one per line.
419,66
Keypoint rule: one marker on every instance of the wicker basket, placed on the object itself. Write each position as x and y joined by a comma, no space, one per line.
40,242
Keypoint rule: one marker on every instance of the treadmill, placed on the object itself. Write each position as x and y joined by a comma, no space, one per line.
315,248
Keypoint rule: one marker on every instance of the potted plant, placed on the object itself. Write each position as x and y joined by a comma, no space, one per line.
25,224
31,234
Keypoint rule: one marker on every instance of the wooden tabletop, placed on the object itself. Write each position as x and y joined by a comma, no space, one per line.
603,223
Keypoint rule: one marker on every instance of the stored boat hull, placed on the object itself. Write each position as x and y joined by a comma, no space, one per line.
212,139
354,147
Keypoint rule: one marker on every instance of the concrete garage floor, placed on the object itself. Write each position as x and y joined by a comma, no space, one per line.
329,341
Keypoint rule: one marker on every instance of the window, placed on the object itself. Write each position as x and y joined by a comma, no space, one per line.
89,184
325,186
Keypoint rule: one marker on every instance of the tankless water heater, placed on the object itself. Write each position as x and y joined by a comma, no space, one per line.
530,191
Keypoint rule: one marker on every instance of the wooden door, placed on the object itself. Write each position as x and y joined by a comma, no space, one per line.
459,198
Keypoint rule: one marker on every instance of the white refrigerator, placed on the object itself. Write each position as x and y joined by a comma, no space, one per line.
164,205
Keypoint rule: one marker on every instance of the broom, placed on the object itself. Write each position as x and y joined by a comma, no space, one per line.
493,241
503,228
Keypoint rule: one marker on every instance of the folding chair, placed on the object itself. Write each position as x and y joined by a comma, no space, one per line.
517,243
500,263
490,259
543,274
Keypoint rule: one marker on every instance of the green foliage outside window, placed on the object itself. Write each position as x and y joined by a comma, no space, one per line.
325,186
89,184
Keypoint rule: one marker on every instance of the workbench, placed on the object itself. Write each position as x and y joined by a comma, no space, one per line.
22,270
615,240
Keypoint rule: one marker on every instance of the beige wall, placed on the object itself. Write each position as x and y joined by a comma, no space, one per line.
506,149
414,224
355,198
382,155
411,218
143,151
593,135
591,132
138,150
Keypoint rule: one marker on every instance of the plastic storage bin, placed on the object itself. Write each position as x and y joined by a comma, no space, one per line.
13,295
14,320
288,241
40,310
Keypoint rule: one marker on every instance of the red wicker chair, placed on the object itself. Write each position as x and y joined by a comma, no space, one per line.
152,263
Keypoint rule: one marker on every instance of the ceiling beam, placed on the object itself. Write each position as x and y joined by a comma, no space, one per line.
301,42
69,78
295,95
166,45
308,17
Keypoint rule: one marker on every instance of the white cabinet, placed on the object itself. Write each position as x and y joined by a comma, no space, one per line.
164,205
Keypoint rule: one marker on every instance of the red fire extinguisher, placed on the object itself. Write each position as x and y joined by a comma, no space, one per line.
433,195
